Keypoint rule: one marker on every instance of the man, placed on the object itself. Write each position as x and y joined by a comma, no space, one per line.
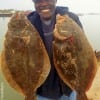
44,19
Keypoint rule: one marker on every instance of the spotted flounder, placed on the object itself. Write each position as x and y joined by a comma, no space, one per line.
74,58
25,63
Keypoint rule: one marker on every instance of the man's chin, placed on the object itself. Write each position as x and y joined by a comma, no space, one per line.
46,17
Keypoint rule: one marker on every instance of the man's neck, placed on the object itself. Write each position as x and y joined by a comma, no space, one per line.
46,22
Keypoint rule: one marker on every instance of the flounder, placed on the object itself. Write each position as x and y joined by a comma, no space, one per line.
25,63
74,58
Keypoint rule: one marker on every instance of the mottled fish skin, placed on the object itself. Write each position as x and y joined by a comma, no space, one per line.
74,58
25,62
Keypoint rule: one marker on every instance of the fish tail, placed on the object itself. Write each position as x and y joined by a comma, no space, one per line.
81,96
31,97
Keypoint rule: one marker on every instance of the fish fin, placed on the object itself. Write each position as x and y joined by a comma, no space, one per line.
32,96
81,96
